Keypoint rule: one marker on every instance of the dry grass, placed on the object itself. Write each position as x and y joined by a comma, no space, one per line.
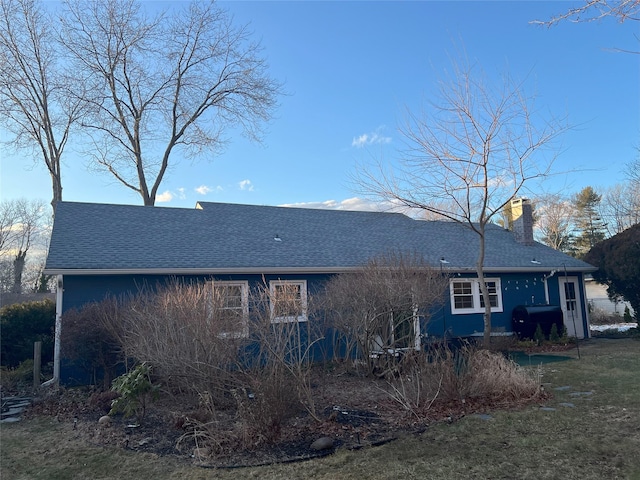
467,373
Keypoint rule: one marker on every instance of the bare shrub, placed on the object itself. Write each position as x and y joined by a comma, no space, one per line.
204,432
181,331
377,310
599,316
92,337
444,373
278,379
259,364
493,376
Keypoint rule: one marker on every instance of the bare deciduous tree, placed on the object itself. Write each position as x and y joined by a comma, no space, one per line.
620,207
632,171
34,106
154,84
476,150
23,226
555,224
7,222
595,10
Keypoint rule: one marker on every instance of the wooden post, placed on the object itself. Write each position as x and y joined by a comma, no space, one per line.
37,359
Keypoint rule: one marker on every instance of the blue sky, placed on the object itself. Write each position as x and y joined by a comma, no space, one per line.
352,69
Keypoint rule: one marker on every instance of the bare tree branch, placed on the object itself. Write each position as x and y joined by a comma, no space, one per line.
555,224
22,225
593,10
474,151
596,10
151,85
34,106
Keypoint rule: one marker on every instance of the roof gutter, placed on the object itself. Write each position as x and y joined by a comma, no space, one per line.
288,270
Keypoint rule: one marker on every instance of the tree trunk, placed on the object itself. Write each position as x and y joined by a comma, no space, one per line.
18,268
56,183
486,338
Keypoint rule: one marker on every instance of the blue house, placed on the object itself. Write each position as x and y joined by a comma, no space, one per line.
100,250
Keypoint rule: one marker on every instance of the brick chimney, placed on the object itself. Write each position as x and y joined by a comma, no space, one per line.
522,220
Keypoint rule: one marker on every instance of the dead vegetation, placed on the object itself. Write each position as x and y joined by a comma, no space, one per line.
268,423
246,375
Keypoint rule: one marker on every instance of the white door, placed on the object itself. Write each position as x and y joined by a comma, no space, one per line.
571,306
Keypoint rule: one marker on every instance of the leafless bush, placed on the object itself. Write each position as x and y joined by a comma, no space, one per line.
443,373
182,331
599,316
376,311
92,337
278,382
259,363
204,431
493,376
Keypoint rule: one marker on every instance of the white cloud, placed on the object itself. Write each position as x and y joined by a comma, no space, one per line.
164,197
355,203
246,185
181,193
372,138
202,189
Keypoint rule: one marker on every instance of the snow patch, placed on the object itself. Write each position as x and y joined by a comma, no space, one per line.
620,327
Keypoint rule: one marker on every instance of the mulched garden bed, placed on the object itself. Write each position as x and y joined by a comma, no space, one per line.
354,412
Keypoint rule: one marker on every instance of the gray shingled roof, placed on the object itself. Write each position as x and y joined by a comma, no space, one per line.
221,237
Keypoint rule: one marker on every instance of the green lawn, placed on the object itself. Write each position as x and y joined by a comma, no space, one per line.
589,430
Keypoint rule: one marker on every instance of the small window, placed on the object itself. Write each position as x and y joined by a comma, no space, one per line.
463,294
493,295
288,301
466,296
228,307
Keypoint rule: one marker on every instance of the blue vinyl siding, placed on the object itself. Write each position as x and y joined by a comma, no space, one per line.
516,289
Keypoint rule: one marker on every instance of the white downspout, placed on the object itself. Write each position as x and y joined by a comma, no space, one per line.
56,342
546,286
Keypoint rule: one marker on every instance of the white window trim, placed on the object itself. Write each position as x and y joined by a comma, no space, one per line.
303,299
475,291
378,349
244,291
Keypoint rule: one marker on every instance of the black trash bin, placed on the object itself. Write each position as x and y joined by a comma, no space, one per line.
526,319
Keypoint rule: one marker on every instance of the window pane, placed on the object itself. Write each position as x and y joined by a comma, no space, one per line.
493,300
462,295
232,296
226,309
403,329
463,301
570,295
287,300
462,288
570,291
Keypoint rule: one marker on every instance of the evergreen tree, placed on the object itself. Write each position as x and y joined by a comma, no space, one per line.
589,224
618,262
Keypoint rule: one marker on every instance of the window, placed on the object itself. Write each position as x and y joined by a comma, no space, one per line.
288,301
399,331
570,296
492,286
228,307
466,296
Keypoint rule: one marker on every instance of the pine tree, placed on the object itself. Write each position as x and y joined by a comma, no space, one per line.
591,228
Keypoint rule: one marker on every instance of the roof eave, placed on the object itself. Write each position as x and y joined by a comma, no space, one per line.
195,271
291,270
